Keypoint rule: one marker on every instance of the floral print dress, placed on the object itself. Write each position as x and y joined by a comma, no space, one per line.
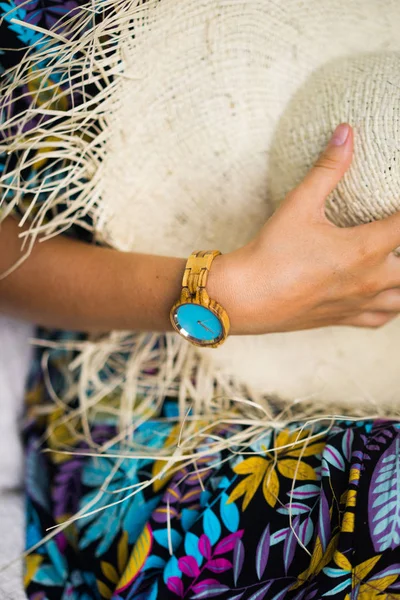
306,513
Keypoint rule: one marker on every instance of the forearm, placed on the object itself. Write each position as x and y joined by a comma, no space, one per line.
69,284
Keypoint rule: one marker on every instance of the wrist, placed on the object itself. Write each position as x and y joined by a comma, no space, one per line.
224,285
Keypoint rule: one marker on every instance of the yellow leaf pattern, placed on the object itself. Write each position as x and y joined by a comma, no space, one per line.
104,590
367,592
282,439
140,552
250,484
318,561
122,552
60,434
348,522
310,450
271,486
295,469
255,464
329,553
109,571
316,557
342,561
362,570
259,469
383,582
32,564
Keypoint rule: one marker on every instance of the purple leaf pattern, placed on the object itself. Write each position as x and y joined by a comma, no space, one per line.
238,559
175,585
209,588
262,552
306,531
189,566
228,543
324,521
289,547
394,569
202,586
219,565
261,594
282,594
205,546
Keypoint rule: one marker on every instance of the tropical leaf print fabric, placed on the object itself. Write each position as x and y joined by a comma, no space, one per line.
314,520
302,514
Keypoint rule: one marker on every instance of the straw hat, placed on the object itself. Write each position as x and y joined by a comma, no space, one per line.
206,114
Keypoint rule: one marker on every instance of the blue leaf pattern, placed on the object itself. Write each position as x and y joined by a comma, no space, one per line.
172,569
279,536
295,508
306,531
155,562
333,457
334,573
191,545
304,492
48,575
339,588
161,537
384,498
189,516
347,444
212,526
229,513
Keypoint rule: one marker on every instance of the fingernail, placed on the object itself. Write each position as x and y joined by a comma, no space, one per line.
340,135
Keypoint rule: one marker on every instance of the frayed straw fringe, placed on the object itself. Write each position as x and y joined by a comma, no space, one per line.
142,369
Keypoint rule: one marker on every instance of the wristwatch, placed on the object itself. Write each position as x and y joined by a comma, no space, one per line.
199,319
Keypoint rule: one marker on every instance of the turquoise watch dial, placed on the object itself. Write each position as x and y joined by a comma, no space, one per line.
197,323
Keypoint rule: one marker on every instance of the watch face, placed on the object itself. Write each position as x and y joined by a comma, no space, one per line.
198,324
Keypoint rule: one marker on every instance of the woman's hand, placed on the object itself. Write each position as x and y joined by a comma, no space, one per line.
299,272
302,272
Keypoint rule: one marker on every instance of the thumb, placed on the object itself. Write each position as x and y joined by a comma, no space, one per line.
329,168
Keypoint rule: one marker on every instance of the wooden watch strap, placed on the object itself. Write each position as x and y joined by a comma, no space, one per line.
197,268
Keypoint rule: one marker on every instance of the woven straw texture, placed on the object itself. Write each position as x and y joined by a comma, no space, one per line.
192,121
206,113
361,90
236,101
